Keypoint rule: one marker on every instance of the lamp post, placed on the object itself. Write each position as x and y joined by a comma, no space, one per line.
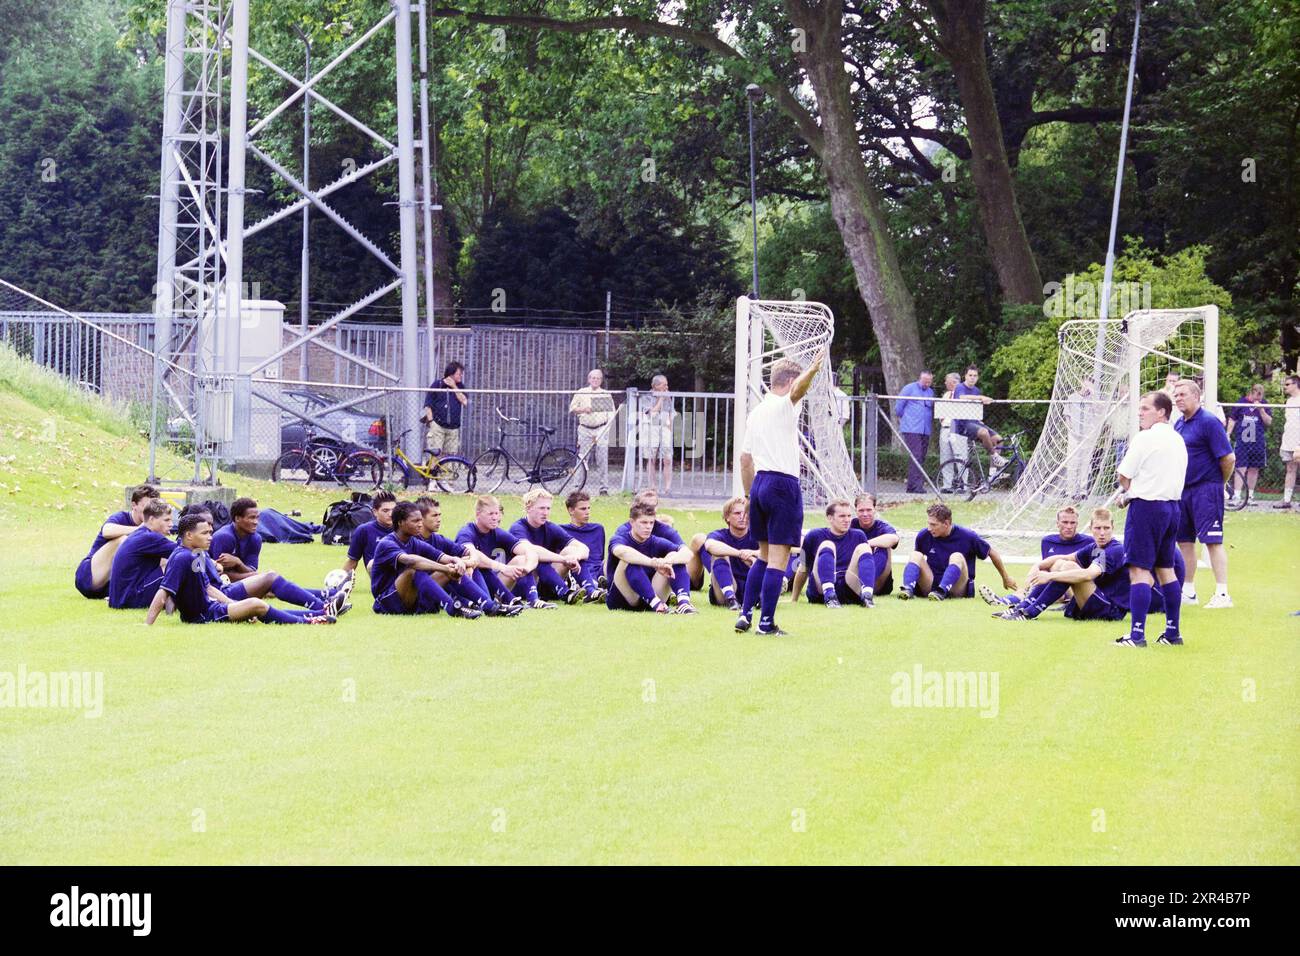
753,93
306,209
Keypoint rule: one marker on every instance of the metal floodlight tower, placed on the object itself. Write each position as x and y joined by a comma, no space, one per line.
200,265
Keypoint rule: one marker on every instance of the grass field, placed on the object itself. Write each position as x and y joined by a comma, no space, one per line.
581,736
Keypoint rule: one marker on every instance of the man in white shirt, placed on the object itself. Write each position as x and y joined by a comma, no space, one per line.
1290,438
594,407
769,470
1151,475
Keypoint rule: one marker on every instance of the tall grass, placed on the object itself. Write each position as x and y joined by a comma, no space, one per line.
48,390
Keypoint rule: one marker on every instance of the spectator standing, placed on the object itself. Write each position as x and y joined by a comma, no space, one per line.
657,414
951,445
914,417
594,407
1078,412
1210,462
1290,438
1250,421
443,403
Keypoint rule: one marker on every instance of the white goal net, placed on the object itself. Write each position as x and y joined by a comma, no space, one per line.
1103,369
766,332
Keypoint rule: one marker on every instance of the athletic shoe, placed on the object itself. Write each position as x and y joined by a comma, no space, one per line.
868,600
1218,601
540,605
320,619
946,491
595,597
834,603
662,609
685,607
497,609
1283,506
990,596
774,631
938,594
1189,597
733,606
742,624
1128,642
671,599
602,582
573,596
1012,614
1174,641
905,594
996,461
466,611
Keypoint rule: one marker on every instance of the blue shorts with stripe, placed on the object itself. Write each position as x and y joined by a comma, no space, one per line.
1150,533
776,508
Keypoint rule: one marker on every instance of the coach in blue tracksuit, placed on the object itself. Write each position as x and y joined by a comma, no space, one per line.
1210,462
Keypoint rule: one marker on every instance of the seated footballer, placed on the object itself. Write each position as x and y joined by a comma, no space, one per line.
942,564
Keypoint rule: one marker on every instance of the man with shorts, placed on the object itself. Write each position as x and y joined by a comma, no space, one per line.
95,569
883,539
590,576
657,414
942,564
504,559
664,529
1290,439
463,558
1151,477
1210,463
769,471
836,560
732,551
139,562
972,428
443,403
407,574
361,545
1065,541
1095,577
644,568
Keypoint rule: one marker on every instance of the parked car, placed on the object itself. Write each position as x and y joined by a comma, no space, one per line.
357,426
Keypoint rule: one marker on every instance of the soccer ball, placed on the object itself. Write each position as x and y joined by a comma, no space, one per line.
334,580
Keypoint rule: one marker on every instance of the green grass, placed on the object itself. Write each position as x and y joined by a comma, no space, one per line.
542,740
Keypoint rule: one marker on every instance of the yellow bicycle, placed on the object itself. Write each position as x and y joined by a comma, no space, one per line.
451,473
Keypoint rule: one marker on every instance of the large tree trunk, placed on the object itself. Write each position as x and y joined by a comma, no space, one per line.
961,38
855,204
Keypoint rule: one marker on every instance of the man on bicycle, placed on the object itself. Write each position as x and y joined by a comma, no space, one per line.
971,428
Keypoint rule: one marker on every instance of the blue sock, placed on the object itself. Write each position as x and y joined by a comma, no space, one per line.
587,578
682,583
492,584
1139,603
1044,597
236,591
1173,595
431,595
548,576
527,586
286,590
792,565
866,571
469,589
638,577
276,616
911,574
725,579
825,565
951,575
753,586
770,594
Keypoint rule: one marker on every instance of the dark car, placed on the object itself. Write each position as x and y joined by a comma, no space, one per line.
355,426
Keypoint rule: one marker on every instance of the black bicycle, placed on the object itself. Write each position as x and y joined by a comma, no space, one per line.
970,476
556,468
326,460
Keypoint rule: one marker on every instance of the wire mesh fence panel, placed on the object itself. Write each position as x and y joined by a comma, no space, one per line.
679,443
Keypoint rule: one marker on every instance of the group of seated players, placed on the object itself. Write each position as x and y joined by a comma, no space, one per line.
209,576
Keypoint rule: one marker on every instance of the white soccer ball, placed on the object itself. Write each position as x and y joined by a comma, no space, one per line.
334,580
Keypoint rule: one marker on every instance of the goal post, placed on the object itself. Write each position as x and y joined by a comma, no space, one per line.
766,332
1103,368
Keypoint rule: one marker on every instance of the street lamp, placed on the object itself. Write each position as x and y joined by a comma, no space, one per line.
306,209
753,93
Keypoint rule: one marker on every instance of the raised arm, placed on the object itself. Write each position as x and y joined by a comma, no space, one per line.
804,382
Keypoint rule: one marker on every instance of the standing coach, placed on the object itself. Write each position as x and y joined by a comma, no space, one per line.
1210,462
769,470
1151,475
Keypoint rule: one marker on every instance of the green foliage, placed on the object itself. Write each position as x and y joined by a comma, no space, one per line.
694,347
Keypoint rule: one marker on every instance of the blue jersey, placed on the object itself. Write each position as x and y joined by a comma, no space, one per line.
187,578
386,568
877,528
498,544
1053,545
845,545
1113,582
1250,433
117,517
593,536
549,536
652,547
661,530
247,548
136,570
361,546
959,540
446,545
1207,442
964,391
739,569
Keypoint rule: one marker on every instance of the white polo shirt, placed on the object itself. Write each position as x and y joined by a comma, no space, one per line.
772,435
1156,464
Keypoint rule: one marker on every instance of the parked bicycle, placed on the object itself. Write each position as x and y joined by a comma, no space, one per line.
557,468
971,476
451,473
324,460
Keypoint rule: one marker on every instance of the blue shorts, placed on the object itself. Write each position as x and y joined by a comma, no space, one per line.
1097,608
1200,515
1150,533
843,593
140,598
615,601
967,427
214,613
82,580
740,590
776,508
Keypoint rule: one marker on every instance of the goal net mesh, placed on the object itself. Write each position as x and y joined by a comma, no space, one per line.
801,331
1103,369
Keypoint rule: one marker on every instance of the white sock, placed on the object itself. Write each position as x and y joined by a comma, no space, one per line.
1220,590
